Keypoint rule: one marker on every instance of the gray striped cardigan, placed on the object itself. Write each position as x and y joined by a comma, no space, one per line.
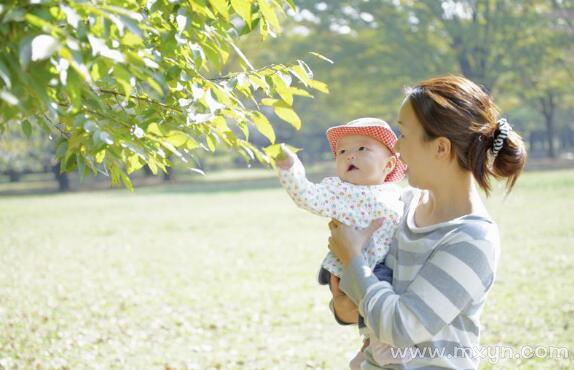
441,276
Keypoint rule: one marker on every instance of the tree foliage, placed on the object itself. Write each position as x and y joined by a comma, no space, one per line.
126,83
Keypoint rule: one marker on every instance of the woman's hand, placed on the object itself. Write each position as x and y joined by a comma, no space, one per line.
346,242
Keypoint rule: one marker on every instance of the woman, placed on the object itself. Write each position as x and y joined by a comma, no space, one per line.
446,248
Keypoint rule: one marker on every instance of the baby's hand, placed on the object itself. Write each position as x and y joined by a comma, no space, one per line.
286,158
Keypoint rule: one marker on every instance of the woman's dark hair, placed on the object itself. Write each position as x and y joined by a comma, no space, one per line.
458,109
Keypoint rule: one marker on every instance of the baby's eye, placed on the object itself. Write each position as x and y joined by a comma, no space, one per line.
363,148
342,151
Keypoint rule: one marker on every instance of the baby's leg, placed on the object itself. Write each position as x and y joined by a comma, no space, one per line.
342,300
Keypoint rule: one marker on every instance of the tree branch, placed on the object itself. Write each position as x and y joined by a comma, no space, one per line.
140,98
57,126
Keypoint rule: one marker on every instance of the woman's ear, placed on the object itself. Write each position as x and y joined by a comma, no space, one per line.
443,147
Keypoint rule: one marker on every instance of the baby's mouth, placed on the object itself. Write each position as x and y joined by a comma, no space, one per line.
352,167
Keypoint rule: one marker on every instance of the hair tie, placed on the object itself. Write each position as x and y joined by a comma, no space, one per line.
504,129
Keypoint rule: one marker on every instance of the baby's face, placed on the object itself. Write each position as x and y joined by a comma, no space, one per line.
362,160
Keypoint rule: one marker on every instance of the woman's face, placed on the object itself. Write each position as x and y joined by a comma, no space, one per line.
415,151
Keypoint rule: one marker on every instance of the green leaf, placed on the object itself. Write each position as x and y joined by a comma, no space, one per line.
300,92
258,82
130,39
61,148
171,148
103,137
153,128
301,74
244,129
282,89
154,85
5,75
177,138
269,101
43,46
243,8
27,128
263,126
211,142
123,77
14,15
292,4
69,163
133,163
9,97
96,72
320,56
221,7
269,14
43,24
75,90
100,156
286,113
318,85
151,163
71,16
25,52
192,144
275,150
219,124
127,181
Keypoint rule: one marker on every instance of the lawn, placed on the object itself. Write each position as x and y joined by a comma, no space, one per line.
222,276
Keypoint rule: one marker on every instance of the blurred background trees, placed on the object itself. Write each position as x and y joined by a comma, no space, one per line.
521,52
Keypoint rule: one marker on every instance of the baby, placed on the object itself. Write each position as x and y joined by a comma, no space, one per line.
364,190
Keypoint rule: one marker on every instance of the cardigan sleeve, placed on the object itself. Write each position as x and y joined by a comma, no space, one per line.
459,271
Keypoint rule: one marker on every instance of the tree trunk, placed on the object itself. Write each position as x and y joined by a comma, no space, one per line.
548,109
169,175
61,178
147,171
14,175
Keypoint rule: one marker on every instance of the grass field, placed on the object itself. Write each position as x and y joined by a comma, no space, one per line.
222,276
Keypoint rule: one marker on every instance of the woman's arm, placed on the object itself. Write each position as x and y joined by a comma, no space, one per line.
460,271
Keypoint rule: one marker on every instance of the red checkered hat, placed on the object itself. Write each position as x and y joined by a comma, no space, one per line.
375,128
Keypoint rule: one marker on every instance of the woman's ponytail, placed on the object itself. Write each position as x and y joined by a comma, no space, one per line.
510,160
458,109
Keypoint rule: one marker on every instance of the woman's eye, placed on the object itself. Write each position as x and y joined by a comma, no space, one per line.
342,151
363,148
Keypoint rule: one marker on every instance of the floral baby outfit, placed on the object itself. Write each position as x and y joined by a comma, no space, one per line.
357,206
353,205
